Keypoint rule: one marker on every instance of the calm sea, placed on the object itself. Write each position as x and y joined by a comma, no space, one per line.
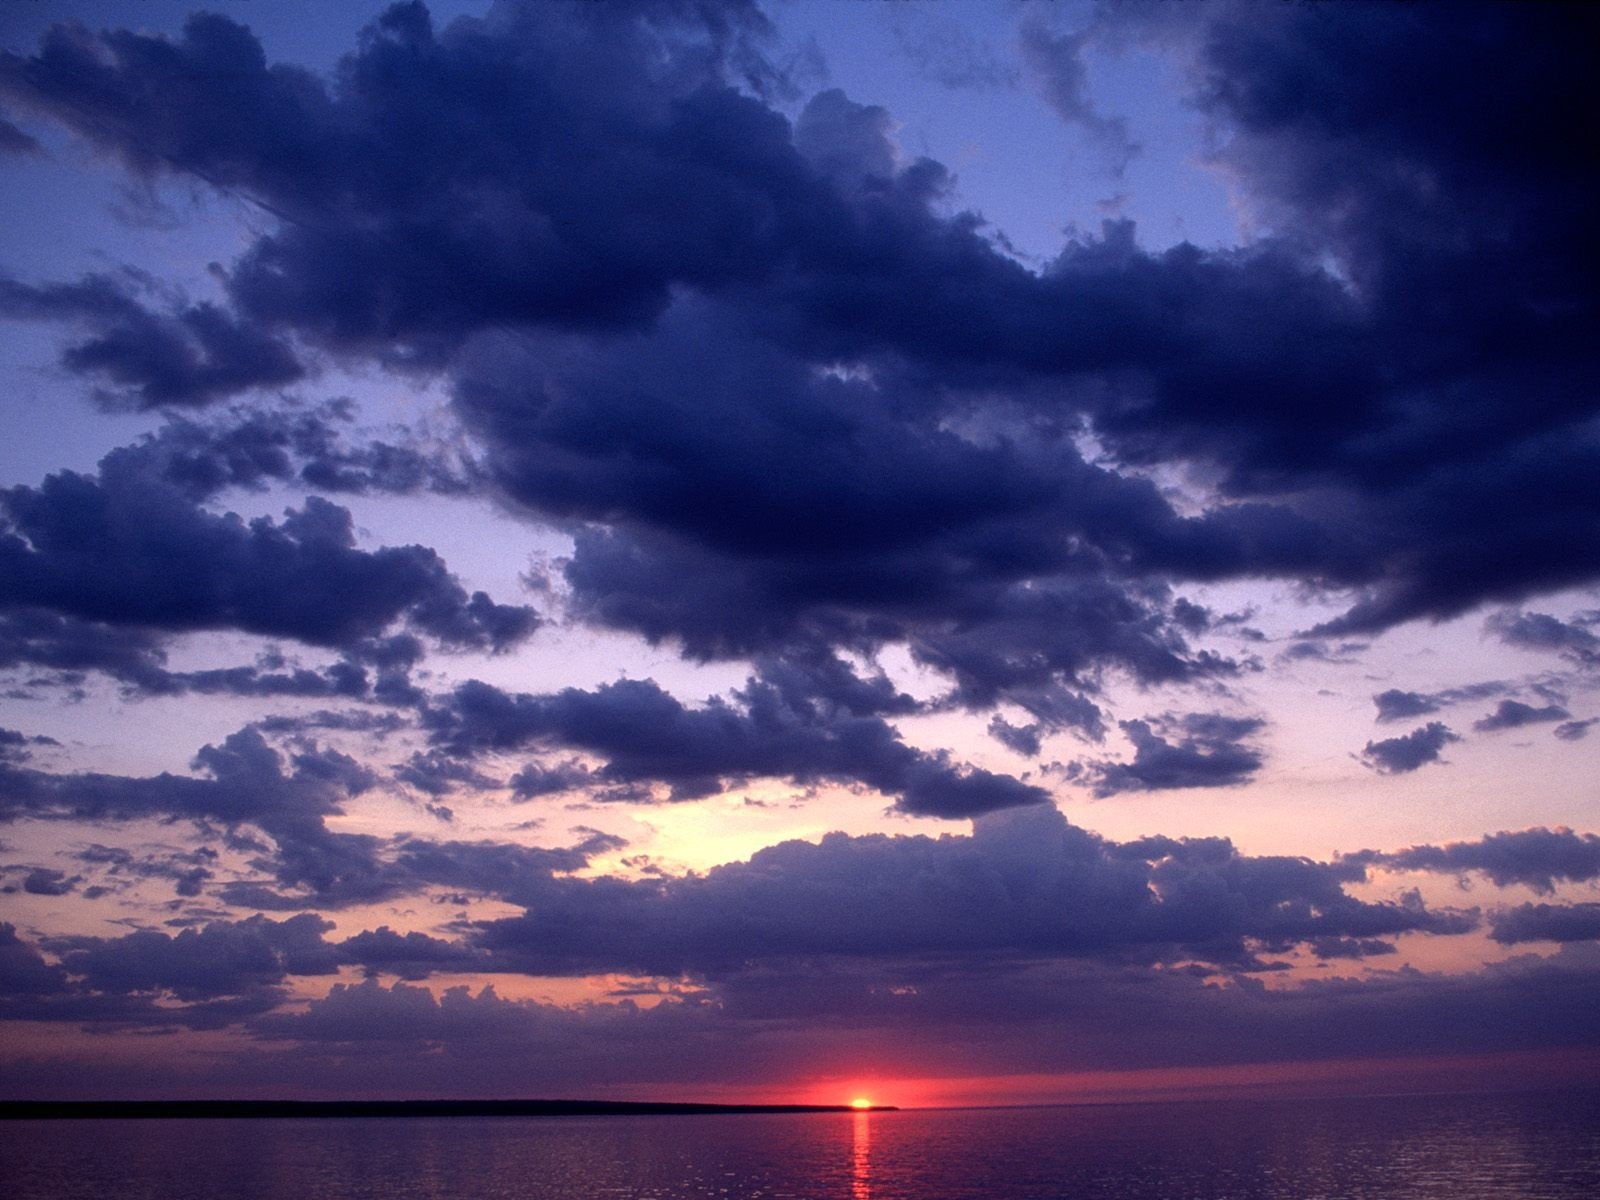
1456,1147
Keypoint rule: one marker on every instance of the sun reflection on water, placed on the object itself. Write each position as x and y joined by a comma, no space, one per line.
860,1157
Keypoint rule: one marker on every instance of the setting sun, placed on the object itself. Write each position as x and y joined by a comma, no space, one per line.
861,1102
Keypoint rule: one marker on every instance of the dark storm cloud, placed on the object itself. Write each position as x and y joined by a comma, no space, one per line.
785,403
1024,739
770,728
1546,923
192,355
1371,435
245,783
1514,714
1423,183
1189,751
1409,751
837,250
377,670
127,548
135,1011
1026,887
341,680
1539,858
989,553
561,164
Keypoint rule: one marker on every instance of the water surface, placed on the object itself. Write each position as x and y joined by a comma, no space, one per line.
1542,1146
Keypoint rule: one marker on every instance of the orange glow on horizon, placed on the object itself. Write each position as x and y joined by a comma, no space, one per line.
861,1102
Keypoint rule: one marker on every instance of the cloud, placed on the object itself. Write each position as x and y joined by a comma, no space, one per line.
1052,1018
16,141
882,524
41,881
1541,631
780,725
68,647
246,783
582,133
126,548
332,871
23,970
1171,752
793,406
187,870
1313,650
1573,731
1399,755
1513,714
943,51
1059,919
539,779
244,780
1396,704
1546,923
439,774
1025,884
14,744
1538,858
249,448
1355,441
220,959
192,355
1351,948
1057,61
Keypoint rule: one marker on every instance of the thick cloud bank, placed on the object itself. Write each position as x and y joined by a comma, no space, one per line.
758,398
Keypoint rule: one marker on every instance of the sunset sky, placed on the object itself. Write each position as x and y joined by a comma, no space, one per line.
944,553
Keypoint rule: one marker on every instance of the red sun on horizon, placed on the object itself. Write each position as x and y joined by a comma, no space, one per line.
861,1102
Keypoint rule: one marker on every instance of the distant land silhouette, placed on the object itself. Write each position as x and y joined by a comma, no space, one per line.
18,1110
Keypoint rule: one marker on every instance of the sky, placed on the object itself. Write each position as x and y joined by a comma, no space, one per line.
951,553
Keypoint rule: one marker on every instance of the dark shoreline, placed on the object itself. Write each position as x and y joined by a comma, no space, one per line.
28,1110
